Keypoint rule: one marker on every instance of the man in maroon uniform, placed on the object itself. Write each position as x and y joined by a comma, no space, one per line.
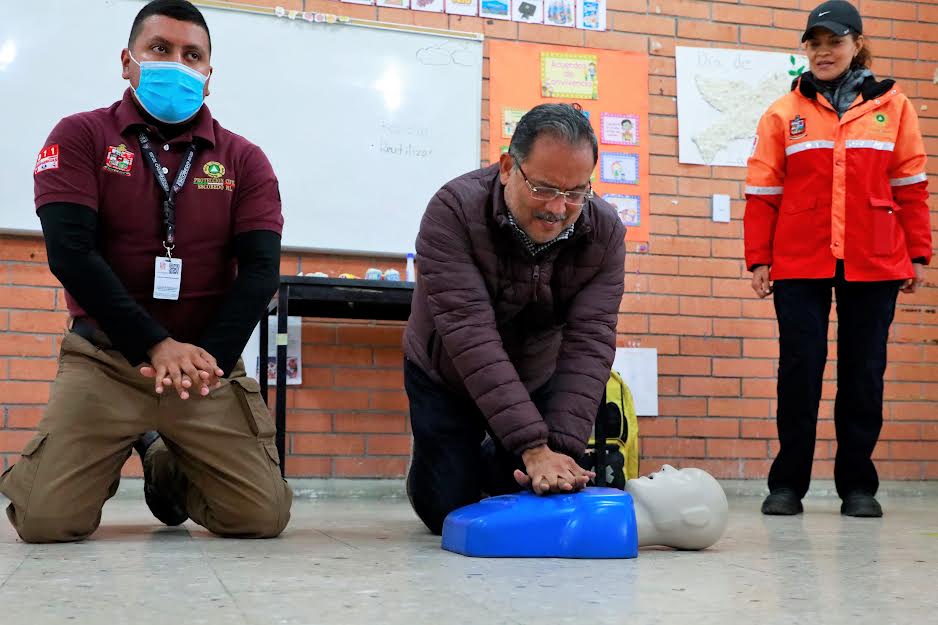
164,228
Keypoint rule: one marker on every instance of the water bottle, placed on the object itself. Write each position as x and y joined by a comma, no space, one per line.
411,272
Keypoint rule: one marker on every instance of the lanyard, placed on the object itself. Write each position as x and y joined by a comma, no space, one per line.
169,192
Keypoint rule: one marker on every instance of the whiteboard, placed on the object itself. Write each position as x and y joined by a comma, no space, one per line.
362,125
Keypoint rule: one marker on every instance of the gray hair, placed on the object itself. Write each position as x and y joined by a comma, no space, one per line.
561,121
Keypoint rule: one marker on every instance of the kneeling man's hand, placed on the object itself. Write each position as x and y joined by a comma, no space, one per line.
548,471
183,366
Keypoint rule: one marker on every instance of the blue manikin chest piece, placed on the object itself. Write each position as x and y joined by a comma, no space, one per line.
594,523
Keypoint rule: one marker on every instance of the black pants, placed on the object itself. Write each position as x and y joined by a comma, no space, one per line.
454,461
864,311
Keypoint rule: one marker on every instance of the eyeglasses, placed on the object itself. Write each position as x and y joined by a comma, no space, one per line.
547,194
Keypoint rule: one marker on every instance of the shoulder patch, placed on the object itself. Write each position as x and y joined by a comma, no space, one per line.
48,159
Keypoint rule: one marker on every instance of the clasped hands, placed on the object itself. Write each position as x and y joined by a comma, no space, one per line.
548,471
182,366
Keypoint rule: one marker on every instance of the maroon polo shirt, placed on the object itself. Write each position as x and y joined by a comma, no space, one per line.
94,159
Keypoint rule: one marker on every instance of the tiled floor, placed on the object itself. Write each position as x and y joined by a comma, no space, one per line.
368,561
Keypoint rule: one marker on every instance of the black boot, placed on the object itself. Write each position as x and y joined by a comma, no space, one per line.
782,501
860,504
164,485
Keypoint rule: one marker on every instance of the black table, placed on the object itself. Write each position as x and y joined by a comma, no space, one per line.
336,298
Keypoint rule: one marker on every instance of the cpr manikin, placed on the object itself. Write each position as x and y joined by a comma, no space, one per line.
679,508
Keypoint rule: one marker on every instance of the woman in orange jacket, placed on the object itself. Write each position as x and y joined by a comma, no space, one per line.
836,201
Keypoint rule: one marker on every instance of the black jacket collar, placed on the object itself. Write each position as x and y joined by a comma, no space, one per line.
871,88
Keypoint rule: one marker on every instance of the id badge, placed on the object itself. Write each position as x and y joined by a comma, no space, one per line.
167,277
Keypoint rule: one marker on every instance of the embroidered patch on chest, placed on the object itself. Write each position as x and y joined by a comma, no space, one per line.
216,180
214,184
797,128
881,123
119,160
214,169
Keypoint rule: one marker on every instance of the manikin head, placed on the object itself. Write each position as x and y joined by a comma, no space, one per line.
680,508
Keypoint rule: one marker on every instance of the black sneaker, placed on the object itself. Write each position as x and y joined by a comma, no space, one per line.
783,502
164,487
860,504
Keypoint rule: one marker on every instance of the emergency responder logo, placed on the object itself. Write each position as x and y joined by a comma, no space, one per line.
880,121
796,127
214,169
216,180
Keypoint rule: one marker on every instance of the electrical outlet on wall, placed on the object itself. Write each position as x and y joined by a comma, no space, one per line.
721,208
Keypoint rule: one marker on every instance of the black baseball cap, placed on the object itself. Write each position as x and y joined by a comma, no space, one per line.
838,16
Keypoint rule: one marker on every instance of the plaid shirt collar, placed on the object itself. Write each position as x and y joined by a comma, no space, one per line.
529,244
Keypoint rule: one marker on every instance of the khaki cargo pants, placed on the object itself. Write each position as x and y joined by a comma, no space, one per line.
223,444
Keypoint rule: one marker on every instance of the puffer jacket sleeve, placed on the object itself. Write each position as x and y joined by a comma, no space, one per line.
587,351
464,318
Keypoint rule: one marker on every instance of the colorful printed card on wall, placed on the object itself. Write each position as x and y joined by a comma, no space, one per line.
560,13
618,168
495,9
429,6
462,7
530,11
510,119
394,4
515,83
591,14
629,208
619,129
572,76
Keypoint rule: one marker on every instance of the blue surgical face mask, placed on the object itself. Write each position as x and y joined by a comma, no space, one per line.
170,92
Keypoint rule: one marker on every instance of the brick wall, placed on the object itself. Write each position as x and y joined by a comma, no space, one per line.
688,295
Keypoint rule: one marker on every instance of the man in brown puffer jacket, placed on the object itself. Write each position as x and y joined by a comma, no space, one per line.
513,327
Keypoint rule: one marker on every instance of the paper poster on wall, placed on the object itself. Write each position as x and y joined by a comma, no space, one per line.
252,360
495,9
560,13
591,14
429,6
619,129
462,7
638,367
530,11
394,4
572,76
618,168
515,83
510,119
629,208
722,94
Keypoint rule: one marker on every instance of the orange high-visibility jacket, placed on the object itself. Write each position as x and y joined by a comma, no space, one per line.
821,188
